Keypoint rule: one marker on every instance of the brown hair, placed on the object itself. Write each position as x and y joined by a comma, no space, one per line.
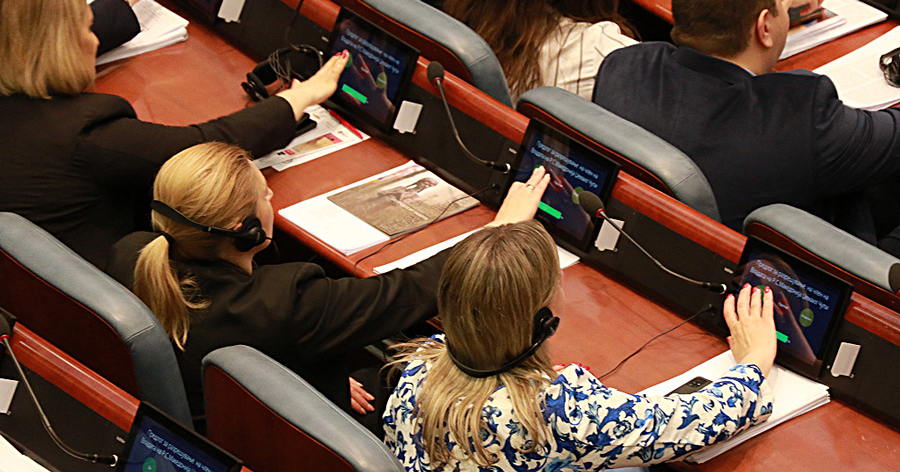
717,27
492,285
40,48
517,29
214,184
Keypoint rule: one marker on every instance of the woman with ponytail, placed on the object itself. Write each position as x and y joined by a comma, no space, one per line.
212,213
486,396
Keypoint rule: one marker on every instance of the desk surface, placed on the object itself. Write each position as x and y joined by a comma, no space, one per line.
604,321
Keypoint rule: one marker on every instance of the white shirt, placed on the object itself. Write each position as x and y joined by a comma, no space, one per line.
572,54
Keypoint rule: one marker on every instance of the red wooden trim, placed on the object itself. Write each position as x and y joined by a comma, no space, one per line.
322,12
660,8
73,377
475,103
679,217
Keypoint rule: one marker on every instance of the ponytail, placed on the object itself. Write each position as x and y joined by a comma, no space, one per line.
170,297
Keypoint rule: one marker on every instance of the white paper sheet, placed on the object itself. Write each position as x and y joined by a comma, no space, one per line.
858,78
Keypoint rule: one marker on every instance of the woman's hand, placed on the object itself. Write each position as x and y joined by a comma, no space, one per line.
317,88
521,202
360,398
752,325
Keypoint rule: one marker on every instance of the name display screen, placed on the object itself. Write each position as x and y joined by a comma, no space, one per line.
158,443
377,72
573,169
808,302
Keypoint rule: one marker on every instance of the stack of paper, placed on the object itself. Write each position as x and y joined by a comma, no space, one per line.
794,395
159,28
399,200
331,134
858,78
11,460
851,15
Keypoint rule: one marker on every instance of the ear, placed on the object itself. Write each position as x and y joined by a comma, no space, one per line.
763,29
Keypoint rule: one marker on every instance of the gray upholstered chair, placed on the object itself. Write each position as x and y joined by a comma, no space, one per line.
640,152
273,420
815,240
439,37
87,314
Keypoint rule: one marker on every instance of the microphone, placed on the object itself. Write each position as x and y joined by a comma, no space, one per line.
435,73
109,460
593,205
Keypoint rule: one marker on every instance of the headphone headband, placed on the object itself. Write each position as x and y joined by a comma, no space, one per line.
545,325
250,235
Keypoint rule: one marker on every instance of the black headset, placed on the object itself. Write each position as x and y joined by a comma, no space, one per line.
286,63
545,325
248,237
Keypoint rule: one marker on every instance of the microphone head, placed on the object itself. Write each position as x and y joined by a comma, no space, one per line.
435,71
590,202
894,277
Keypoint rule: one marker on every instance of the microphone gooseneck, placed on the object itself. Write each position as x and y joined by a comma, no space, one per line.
110,460
593,205
435,74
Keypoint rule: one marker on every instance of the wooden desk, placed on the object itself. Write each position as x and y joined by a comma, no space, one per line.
603,321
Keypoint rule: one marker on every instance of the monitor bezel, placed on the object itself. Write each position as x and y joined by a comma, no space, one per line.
584,243
843,287
149,411
406,76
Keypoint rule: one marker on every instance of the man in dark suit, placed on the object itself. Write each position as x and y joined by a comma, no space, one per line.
759,137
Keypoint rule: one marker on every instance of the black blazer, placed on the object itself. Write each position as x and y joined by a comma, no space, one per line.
779,137
293,313
82,166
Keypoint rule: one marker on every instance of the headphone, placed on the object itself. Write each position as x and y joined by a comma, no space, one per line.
545,325
284,64
248,237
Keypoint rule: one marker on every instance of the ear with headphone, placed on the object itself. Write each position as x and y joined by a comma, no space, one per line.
248,237
284,64
545,325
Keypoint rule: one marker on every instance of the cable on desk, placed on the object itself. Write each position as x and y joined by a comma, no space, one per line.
436,218
704,310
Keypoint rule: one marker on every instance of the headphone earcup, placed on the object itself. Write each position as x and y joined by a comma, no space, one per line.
252,234
255,87
545,325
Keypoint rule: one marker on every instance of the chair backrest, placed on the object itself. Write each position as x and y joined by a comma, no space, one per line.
273,420
88,315
816,241
438,37
640,153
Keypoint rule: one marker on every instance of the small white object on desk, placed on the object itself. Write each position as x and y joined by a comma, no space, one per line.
7,390
858,78
408,117
230,10
608,236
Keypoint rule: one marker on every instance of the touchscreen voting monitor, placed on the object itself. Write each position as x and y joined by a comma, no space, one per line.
573,168
157,443
809,303
377,73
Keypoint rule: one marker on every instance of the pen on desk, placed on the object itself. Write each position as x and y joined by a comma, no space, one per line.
346,124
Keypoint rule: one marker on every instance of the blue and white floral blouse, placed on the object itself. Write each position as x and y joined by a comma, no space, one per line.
594,426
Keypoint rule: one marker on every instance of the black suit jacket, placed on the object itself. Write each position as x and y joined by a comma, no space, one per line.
78,165
293,313
778,137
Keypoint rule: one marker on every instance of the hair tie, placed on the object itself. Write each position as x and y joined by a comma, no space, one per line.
168,237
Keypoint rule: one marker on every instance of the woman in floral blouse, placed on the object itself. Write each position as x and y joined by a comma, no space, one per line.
485,396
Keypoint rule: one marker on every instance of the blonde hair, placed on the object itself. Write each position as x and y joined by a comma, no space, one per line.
214,184
41,48
491,287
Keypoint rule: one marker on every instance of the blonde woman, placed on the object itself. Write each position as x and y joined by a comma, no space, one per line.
78,163
486,396
207,293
